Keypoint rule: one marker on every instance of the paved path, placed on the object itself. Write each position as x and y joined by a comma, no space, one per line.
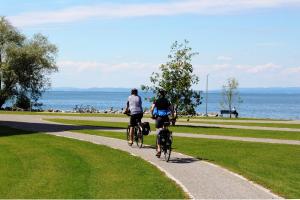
180,122
190,135
121,119
221,137
200,179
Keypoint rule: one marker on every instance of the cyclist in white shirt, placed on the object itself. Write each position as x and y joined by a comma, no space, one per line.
134,106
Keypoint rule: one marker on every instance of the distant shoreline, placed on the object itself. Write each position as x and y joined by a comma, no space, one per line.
270,90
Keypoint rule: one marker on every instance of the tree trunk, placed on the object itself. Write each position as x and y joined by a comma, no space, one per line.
230,111
175,116
2,101
0,71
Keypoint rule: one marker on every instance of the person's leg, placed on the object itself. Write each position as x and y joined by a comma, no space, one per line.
131,134
139,118
158,129
131,131
158,139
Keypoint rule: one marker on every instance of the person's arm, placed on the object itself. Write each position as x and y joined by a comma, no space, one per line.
152,108
127,107
141,104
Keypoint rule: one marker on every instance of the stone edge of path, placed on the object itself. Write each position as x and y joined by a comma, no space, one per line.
275,196
179,183
244,178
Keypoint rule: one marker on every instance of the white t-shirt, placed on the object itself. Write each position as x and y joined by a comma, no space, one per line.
135,104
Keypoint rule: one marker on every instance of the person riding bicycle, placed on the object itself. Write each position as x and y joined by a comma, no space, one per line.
161,109
134,106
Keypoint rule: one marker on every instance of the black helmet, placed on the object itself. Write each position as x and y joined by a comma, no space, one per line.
134,91
162,92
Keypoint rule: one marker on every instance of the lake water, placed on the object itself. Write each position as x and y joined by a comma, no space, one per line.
277,106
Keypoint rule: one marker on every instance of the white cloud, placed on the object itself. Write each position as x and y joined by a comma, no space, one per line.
259,75
134,73
174,7
269,67
102,74
88,66
224,58
269,44
292,70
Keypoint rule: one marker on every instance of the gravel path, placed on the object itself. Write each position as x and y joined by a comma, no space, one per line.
120,119
221,137
190,135
200,179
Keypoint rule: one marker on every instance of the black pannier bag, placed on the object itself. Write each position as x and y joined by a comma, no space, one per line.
146,128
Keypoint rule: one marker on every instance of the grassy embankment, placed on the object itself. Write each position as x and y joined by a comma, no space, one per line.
35,165
276,125
122,115
274,166
196,130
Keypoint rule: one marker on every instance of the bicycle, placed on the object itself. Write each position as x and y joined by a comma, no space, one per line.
138,136
166,140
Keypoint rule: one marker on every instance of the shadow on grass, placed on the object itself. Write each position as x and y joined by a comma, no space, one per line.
31,128
11,128
8,131
204,159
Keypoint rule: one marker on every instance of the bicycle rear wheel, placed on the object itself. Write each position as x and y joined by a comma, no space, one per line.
139,138
167,153
168,147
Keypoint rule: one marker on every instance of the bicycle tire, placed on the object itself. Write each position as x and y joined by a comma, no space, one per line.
167,153
139,138
168,148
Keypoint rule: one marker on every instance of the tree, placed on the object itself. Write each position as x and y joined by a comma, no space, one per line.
177,78
24,64
230,95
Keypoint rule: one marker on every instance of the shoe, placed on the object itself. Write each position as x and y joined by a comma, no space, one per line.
158,154
130,142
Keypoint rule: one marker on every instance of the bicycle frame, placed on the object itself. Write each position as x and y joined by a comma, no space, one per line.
137,134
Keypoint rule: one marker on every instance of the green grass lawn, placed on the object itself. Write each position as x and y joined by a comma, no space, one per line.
274,166
196,130
35,165
62,114
277,125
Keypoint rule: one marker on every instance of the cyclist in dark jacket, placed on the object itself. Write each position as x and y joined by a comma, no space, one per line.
161,109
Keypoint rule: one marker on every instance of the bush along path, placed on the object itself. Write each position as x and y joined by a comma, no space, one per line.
199,179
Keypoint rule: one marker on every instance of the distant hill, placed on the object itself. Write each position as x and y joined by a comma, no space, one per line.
271,90
90,89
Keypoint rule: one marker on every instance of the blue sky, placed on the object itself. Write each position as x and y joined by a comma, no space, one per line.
120,43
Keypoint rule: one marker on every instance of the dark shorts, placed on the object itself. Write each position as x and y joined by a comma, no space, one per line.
160,121
134,119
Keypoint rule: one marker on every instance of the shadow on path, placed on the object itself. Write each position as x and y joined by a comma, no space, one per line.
182,160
